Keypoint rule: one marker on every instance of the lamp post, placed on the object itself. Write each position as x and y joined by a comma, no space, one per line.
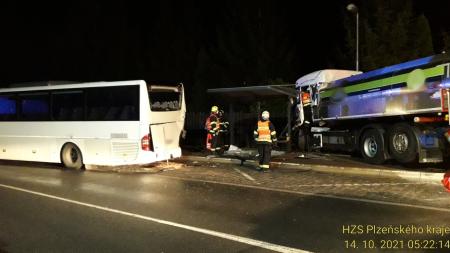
354,9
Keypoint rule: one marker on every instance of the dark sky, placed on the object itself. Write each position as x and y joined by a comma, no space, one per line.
159,41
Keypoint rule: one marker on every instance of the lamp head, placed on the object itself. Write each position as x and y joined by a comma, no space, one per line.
352,8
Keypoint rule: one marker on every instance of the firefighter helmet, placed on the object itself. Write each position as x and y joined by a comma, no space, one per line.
214,109
265,115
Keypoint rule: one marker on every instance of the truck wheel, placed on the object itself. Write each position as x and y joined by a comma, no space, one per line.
372,146
403,143
71,156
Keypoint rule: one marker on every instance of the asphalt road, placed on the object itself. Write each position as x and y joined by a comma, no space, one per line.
52,210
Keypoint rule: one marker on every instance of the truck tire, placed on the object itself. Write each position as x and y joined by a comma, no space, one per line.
71,156
403,145
372,146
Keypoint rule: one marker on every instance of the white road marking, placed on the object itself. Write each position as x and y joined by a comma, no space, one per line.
240,239
314,194
244,174
355,184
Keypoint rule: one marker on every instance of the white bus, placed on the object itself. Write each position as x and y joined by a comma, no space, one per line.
101,123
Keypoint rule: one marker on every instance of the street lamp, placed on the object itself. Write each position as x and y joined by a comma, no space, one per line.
354,9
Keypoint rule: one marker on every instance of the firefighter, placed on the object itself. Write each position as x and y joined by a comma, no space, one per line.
212,125
304,121
265,136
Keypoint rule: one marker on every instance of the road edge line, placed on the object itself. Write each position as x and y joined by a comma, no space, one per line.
240,239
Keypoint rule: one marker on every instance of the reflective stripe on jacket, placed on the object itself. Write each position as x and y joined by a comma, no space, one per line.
213,124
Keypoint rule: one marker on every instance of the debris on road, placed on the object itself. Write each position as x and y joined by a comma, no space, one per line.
246,154
148,168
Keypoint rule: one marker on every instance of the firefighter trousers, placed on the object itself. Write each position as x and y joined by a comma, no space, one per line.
211,142
264,150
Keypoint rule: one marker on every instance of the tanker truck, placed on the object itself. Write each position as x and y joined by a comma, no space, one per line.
397,112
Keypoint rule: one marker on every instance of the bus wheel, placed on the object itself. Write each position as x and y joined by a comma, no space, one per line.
71,156
372,146
403,143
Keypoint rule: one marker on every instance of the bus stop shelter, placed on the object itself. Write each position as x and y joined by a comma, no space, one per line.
256,94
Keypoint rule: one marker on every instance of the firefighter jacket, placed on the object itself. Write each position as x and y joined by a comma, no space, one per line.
265,132
306,98
212,124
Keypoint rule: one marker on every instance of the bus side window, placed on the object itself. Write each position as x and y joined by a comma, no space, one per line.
111,114
67,105
35,106
113,103
97,113
63,114
77,113
8,109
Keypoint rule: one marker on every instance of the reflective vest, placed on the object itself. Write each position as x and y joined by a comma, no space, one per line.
263,131
306,98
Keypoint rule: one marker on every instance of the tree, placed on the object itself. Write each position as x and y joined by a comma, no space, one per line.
252,46
172,41
445,40
390,33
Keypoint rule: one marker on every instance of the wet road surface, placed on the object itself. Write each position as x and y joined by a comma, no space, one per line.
47,209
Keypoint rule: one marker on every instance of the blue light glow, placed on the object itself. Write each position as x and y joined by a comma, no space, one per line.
391,69
7,106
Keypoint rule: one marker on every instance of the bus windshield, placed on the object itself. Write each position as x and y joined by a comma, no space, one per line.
164,100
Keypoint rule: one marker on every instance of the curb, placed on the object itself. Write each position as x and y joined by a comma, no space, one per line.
420,176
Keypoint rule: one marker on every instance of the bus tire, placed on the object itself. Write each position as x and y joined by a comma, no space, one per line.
71,156
372,146
403,145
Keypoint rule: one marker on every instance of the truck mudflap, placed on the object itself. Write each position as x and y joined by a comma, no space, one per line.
429,150
430,155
